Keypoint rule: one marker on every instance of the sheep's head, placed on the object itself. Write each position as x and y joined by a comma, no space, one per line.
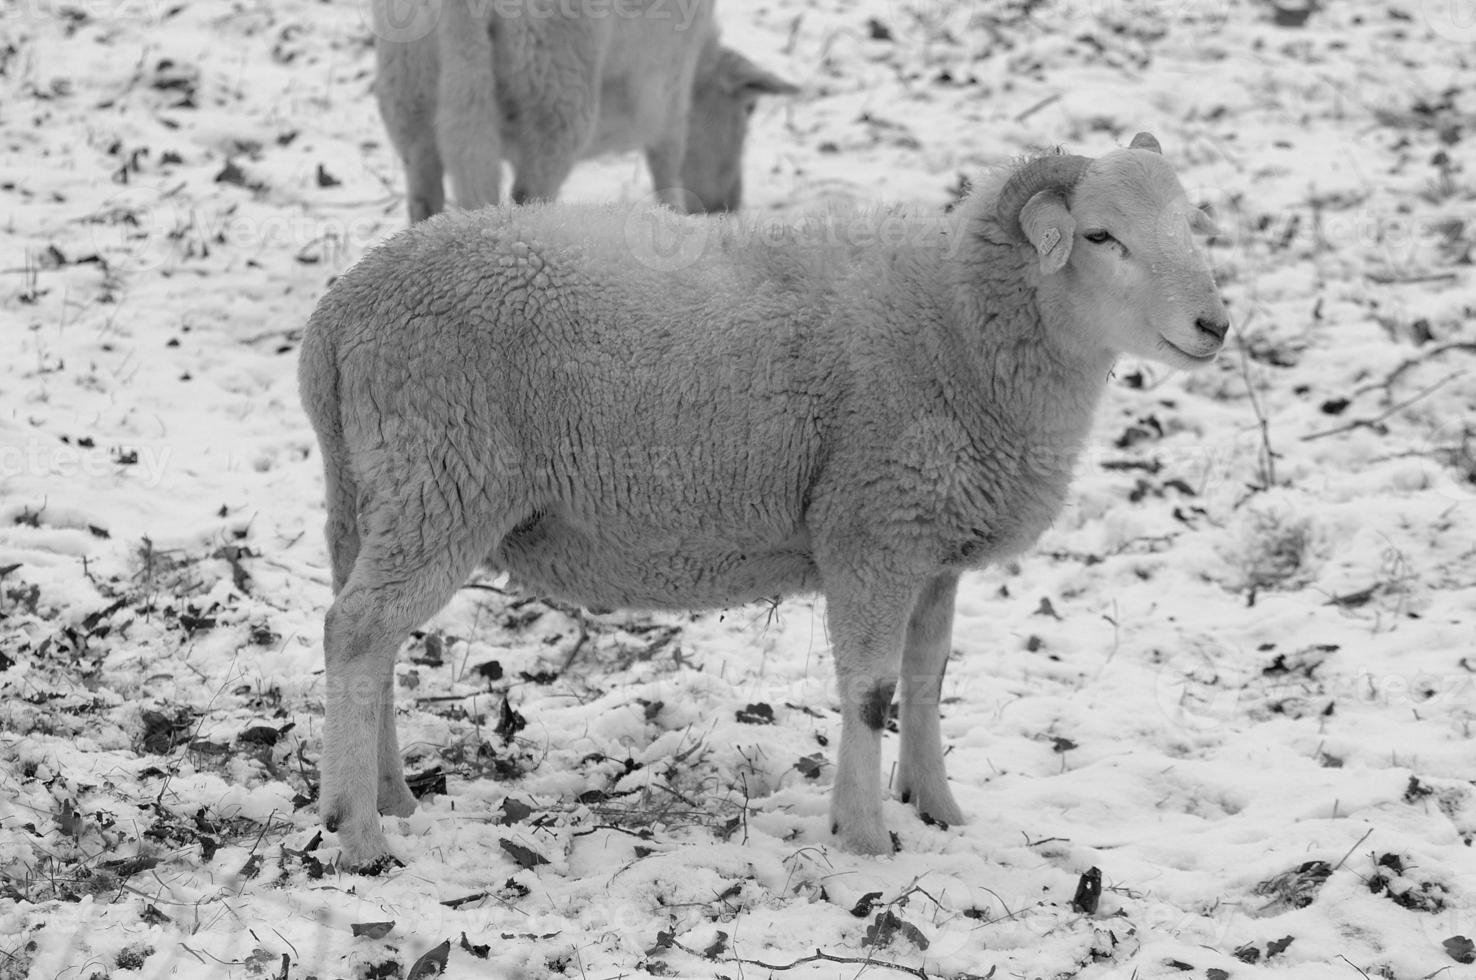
724,93
1115,243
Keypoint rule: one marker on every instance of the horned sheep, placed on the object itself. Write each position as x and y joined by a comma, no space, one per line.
515,387
545,85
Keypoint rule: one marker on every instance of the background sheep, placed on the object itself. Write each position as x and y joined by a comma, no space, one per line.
516,387
547,88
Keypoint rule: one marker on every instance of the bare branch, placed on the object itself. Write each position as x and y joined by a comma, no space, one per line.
1375,421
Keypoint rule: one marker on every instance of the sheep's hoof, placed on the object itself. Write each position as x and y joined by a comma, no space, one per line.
858,838
366,852
395,798
361,840
933,805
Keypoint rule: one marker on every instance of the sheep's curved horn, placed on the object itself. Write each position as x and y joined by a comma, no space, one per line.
1145,141
1043,173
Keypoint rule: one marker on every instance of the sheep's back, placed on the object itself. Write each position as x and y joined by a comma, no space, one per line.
531,343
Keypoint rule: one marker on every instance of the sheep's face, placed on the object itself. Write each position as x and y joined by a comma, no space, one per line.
724,94
1128,264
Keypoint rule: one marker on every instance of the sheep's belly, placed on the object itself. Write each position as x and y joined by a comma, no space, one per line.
636,570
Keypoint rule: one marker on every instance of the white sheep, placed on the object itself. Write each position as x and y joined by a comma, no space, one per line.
767,416
546,85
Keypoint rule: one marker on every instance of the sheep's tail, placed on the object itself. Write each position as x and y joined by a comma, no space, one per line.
318,384
467,132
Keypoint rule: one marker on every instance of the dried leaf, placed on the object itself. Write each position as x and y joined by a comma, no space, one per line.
888,926
810,765
514,811
757,713
431,964
509,722
1088,892
867,902
480,950
717,947
1460,949
525,857
664,940
371,930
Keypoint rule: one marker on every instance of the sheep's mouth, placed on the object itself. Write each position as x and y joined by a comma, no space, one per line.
1186,355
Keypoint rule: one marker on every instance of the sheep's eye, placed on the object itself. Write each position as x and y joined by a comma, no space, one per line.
1097,237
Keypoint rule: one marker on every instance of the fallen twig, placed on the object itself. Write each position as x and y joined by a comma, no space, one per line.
1389,279
1032,110
1372,422
1268,455
1353,848
819,956
1424,356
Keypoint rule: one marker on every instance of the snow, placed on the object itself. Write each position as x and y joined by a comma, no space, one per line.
1217,669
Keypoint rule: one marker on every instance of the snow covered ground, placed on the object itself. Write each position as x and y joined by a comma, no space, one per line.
1238,676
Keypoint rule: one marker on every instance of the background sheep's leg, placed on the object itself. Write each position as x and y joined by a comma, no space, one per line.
867,629
664,160
921,779
425,191
548,147
405,88
466,111
558,98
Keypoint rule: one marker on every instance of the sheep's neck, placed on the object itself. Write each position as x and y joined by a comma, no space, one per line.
1023,384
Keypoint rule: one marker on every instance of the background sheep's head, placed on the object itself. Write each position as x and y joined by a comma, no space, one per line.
724,93
1115,239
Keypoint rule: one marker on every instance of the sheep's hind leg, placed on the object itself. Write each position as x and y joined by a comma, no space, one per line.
398,581
921,778
394,798
867,631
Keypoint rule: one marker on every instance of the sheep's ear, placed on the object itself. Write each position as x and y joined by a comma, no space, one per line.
739,75
1050,228
1200,221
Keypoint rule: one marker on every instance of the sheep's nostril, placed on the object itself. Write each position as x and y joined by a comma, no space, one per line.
1215,328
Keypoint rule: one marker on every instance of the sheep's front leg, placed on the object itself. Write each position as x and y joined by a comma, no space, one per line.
558,104
664,160
425,193
920,772
867,631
